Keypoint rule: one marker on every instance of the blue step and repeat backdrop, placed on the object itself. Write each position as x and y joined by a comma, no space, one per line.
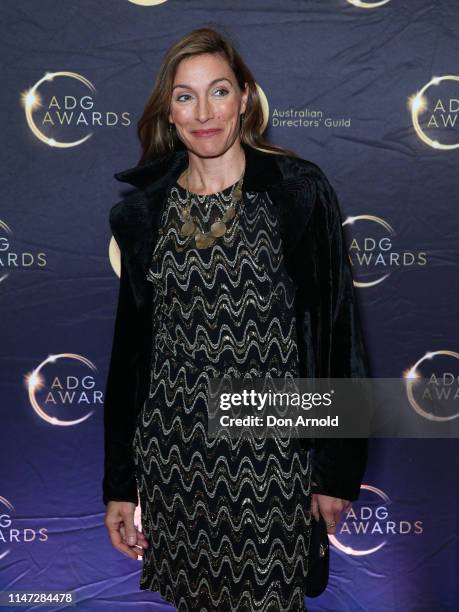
366,89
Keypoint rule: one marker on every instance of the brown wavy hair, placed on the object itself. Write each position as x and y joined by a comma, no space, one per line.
153,126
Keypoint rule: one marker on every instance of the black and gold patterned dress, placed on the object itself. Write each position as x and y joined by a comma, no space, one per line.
228,521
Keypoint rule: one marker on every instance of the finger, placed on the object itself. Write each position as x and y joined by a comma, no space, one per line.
315,508
330,520
341,511
139,551
133,552
129,531
337,515
117,542
140,538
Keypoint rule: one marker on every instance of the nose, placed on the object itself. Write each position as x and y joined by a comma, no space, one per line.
204,110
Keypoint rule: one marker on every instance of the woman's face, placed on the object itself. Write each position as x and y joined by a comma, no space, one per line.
205,97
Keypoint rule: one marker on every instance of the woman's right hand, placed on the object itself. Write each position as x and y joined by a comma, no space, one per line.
124,536
330,508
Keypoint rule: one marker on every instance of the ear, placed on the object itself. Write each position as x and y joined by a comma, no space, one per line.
245,97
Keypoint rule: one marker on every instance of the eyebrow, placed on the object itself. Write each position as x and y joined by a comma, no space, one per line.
211,83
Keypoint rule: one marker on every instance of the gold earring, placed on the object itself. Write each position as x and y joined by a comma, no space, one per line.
171,139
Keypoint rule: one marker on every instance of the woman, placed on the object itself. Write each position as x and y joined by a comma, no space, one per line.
233,263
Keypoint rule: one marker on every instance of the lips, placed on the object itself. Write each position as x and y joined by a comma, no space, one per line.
206,132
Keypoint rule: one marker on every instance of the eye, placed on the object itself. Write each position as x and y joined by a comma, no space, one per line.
220,89
181,96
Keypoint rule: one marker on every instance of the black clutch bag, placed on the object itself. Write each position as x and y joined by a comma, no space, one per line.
319,558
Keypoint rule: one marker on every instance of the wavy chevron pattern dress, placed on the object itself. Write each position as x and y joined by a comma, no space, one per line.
227,520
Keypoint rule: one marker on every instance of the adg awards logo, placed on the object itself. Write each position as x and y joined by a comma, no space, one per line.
63,389
368,4
371,523
114,255
12,258
434,110
16,533
376,251
61,110
432,385
147,2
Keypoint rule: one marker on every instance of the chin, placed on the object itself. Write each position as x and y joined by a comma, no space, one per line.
209,149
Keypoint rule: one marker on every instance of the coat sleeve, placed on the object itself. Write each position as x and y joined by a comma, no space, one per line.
119,481
339,463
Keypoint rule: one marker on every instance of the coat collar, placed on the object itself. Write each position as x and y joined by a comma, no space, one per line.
263,170
291,183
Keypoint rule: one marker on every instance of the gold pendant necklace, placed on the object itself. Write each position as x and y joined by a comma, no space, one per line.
218,228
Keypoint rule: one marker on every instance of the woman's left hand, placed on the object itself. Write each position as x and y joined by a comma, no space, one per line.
330,508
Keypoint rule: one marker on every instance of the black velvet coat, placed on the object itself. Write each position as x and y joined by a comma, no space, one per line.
329,332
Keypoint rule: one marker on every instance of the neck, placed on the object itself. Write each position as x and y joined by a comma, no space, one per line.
206,175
